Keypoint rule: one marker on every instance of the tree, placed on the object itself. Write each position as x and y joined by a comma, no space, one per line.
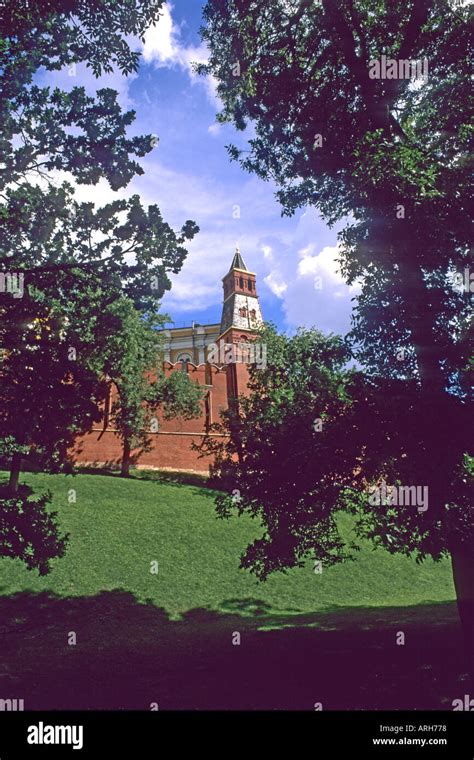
315,438
69,260
36,134
29,531
55,336
132,367
393,156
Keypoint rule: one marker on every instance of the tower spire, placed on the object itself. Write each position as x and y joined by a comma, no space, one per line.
237,261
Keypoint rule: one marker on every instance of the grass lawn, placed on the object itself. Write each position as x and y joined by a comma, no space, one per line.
141,637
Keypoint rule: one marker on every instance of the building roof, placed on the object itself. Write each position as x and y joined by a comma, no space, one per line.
237,261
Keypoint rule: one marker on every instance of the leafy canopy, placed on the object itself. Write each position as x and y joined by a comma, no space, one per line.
389,154
310,441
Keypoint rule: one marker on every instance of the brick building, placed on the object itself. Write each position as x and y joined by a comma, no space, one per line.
201,351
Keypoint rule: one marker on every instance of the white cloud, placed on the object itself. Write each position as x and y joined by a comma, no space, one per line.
161,41
267,252
318,295
323,264
276,286
304,274
214,129
163,47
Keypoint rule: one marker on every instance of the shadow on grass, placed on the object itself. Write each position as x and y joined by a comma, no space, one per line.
128,655
156,476
177,478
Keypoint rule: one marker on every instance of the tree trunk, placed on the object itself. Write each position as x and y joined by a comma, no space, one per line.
462,558
125,469
428,354
15,470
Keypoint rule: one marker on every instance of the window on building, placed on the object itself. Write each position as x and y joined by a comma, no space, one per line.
184,360
250,284
243,311
241,282
207,410
253,314
244,349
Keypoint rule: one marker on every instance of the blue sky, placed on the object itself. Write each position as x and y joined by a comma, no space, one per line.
190,176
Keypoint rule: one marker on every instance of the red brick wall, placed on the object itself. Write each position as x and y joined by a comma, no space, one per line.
172,444
170,450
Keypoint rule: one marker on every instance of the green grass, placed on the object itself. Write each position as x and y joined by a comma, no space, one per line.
168,638
118,527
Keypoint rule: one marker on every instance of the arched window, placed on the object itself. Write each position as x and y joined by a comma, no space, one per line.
253,314
184,360
243,311
250,284
241,282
